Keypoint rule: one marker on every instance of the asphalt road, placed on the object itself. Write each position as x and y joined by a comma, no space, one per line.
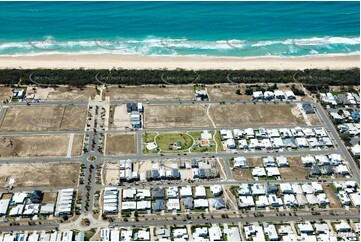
100,158
201,221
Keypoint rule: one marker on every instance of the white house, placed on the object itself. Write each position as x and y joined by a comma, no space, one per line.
245,201
186,191
286,188
240,162
257,95
290,95
226,134
269,161
258,172
258,189
200,192
290,200
244,190
173,204
280,94
231,144
282,161
271,232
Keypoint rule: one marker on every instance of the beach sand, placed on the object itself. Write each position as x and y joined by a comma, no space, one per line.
103,61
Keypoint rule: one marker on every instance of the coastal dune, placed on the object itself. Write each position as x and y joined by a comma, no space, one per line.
102,61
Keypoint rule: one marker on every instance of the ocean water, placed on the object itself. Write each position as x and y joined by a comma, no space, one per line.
234,29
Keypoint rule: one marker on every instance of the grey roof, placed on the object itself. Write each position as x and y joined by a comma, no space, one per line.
327,169
155,173
289,142
158,193
218,203
175,173
162,233
159,205
36,196
315,170
188,202
271,188
308,107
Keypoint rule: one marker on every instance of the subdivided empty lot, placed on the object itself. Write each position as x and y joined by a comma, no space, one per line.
110,173
233,115
44,118
296,169
176,115
151,93
121,144
5,93
40,174
65,93
242,174
39,145
119,117
225,92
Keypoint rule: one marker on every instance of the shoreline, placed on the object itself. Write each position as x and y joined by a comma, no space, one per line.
109,61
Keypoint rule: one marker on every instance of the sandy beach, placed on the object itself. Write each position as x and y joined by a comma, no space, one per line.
102,61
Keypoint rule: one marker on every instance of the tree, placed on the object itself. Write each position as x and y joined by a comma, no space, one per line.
249,91
238,92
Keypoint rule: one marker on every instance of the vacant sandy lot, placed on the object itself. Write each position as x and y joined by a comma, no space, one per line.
77,148
121,144
44,118
254,161
39,145
226,92
50,197
254,114
173,116
111,173
242,174
5,93
119,117
313,118
151,93
40,174
65,93
334,201
296,170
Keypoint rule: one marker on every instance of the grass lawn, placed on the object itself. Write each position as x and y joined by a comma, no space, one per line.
195,134
218,139
199,88
164,139
148,137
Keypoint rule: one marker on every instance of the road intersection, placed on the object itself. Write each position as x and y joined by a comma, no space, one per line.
93,157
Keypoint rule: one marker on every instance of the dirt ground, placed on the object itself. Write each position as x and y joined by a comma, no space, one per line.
121,144
151,93
119,117
296,170
313,118
111,173
44,118
50,197
5,93
64,93
254,161
40,174
226,92
242,174
334,201
173,116
254,114
38,145
77,148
